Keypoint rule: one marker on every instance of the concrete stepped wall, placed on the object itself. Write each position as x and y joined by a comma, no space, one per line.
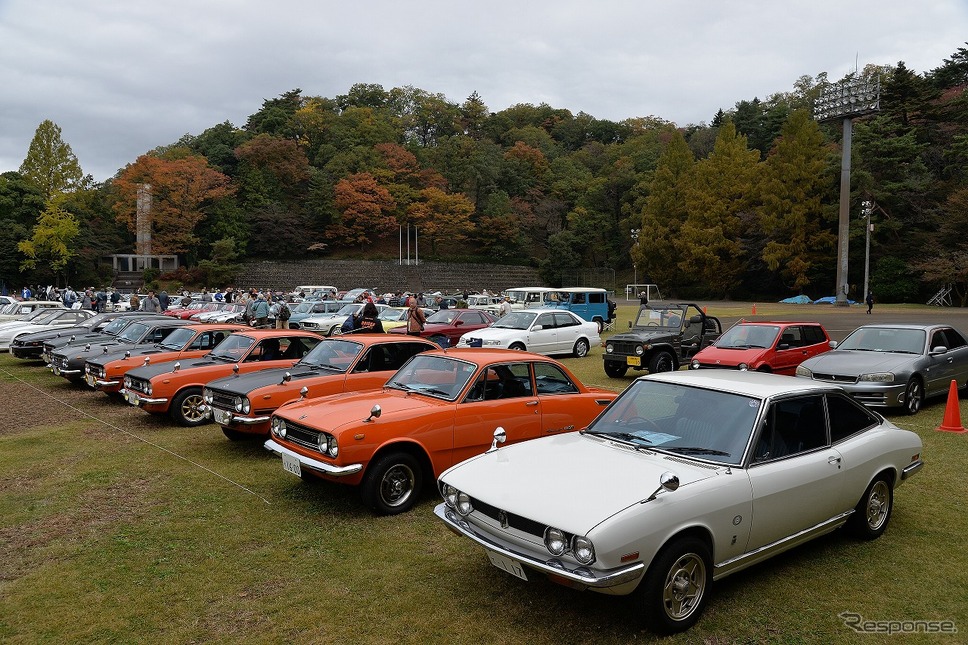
387,275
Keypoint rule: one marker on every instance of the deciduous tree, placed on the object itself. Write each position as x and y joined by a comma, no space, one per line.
50,163
52,239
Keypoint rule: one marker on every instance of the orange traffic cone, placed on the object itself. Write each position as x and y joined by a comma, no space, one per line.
952,412
754,308
704,310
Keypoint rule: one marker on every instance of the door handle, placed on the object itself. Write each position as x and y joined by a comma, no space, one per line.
531,403
834,460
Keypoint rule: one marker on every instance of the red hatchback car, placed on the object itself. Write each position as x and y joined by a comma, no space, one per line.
446,326
777,347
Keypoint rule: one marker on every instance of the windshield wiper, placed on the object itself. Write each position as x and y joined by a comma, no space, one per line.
621,436
401,386
696,450
434,390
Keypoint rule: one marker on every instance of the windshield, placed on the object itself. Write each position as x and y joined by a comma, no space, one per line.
349,310
660,317
177,339
747,336
393,314
233,348
133,332
516,320
335,355
40,316
116,325
885,339
303,307
438,376
681,419
445,316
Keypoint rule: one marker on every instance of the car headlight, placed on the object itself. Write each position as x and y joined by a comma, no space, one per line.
333,449
246,406
238,404
207,396
463,505
322,442
694,365
582,549
877,377
555,541
804,371
278,427
609,348
449,494
743,367
639,350
148,389
127,381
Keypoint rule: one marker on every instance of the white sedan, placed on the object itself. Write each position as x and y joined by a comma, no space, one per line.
542,331
685,478
331,324
41,320
21,310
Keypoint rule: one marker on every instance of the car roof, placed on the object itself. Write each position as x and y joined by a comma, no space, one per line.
276,333
776,323
756,384
207,326
922,327
378,339
483,355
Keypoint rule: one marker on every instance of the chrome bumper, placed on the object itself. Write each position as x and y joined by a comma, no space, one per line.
226,417
911,469
313,464
136,398
552,567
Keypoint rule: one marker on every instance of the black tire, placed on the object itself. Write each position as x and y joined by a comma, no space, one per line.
913,396
235,435
188,408
518,347
600,323
873,512
615,370
335,331
581,348
392,483
676,587
662,362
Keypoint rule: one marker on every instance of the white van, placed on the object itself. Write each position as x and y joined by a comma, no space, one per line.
315,291
527,297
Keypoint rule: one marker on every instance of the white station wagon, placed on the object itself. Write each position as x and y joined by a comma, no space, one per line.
685,478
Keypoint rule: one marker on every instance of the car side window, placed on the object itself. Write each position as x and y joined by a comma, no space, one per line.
551,380
847,417
955,339
813,334
790,337
938,339
564,320
546,321
792,426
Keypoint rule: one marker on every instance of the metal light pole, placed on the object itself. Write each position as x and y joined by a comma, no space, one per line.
846,99
867,210
635,267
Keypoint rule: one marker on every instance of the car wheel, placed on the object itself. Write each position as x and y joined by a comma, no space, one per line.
675,587
188,408
662,362
615,370
336,331
873,512
235,435
392,484
581,348
913,396
600,323
518,347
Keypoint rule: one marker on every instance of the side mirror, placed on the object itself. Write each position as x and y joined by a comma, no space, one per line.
668,482
833,344
630,324
500,436
375,413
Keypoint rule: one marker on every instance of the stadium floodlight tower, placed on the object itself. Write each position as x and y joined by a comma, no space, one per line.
852,97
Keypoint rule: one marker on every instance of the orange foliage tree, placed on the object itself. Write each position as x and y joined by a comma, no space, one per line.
366,210
440,215
182,190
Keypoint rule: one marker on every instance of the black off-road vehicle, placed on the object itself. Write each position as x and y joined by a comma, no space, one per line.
663,337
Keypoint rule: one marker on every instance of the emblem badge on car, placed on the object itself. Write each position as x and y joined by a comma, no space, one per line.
503,517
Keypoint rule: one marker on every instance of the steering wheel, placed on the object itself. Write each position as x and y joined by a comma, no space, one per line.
652,323
645,423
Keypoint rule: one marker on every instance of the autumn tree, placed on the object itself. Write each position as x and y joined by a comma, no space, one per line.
50,163
51,242
183,191
441,216
365,210
794,186
271,169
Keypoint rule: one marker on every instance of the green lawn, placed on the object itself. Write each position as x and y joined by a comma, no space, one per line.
119,527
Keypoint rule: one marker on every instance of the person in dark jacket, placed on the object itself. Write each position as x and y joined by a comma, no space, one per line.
368,322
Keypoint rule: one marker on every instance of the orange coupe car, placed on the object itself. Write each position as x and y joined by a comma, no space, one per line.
440,408
176,388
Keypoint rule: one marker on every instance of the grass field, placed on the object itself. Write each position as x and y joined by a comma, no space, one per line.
119,527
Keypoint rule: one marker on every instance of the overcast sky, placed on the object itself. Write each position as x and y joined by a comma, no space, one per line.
121,77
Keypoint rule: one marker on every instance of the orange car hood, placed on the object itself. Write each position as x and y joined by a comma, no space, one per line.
331,412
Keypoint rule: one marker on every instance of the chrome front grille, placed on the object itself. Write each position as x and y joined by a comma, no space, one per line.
834,378
302,435
624,347
138,384
97,371
223,400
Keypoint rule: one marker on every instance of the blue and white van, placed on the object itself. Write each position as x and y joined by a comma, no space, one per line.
590,303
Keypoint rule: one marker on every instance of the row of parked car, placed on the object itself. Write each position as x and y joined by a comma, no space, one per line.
684,477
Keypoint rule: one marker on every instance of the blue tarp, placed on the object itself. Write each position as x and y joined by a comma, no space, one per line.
797,300
829,300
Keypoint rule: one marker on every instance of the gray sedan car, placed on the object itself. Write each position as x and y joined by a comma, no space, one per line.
894,366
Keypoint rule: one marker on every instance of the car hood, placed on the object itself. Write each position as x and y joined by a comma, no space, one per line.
154,369
245,383
58,332
333,412
642,336
853,363
735,356
601,478
498,333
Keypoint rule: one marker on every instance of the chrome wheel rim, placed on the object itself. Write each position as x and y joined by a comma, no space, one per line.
878,505
193,408
582,349
914,397
684,587
396,487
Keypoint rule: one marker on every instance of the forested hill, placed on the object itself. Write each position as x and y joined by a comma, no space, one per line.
743,206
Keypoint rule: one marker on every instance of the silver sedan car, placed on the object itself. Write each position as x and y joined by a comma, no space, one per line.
894,366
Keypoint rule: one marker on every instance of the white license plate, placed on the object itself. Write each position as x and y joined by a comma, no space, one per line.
222,417
503,562
291,464
89,378
131,397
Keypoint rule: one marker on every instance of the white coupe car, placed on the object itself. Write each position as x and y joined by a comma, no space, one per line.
44,320
542,331
685,478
